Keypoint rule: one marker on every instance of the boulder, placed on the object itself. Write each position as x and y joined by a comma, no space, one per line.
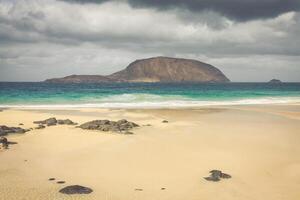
4,130
106,125
49,122
76,189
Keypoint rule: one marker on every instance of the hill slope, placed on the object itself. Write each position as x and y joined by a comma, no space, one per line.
164,69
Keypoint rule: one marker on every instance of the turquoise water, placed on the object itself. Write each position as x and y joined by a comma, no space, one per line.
145,94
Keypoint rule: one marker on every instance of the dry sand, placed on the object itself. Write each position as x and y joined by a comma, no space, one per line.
258,145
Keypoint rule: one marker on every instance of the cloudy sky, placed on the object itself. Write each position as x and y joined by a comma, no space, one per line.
249,40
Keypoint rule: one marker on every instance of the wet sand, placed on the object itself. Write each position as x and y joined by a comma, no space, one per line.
258,145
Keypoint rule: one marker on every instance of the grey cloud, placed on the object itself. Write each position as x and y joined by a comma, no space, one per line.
236,9
149,31
241,10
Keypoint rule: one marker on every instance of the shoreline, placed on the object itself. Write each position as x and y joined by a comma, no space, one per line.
163,105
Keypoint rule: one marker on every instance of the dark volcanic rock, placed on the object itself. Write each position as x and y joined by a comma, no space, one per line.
61,182
40,126
165,121
128,133
223,175
4,142
76,189
66,122
106,125
212,178
53,121
157,69
51,179
217,175
49,122
4,130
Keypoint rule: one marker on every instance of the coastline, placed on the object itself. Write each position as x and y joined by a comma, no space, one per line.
256,144
175,104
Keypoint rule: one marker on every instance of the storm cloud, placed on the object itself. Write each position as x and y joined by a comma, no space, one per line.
241,10
42,39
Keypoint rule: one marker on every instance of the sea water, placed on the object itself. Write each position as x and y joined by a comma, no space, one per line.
144,95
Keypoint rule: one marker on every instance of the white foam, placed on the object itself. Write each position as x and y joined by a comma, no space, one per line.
131,102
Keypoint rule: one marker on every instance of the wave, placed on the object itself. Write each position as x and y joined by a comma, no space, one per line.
155,101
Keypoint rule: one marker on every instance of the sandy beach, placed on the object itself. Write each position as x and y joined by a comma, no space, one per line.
257,145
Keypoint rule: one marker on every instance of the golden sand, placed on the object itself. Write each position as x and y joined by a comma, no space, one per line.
258,145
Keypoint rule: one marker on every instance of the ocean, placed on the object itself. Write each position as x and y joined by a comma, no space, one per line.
144,95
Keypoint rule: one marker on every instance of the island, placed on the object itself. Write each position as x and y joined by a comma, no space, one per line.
275,81
156,69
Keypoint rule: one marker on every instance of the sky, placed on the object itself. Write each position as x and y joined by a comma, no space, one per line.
249,40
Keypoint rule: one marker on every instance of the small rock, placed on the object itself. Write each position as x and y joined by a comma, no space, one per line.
60,182
66,122
165,121
51,179
162,188
4,142
217,175
21,124
76,189
128,133
138,189
40,126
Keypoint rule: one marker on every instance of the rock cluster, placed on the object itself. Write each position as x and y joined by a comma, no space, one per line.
216,175
53,121
121,126
76,189
4,130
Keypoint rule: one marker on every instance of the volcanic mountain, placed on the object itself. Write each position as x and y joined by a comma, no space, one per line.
157,69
